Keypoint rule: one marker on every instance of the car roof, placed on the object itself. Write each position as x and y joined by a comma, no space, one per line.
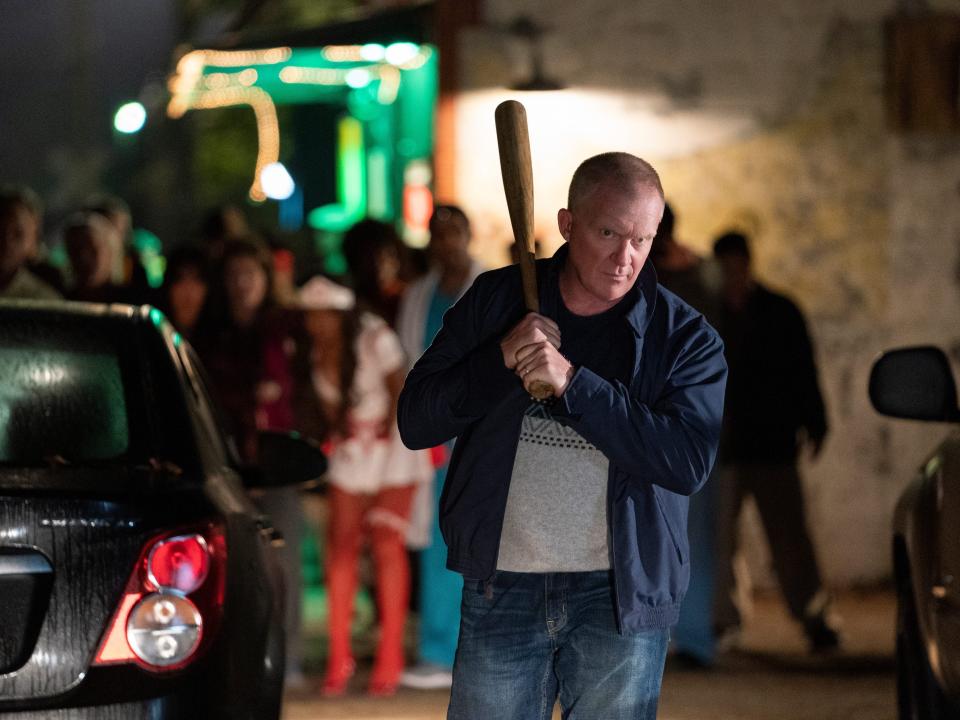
80,311
120,329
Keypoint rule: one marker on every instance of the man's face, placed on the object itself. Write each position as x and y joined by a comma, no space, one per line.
449,241
18,238
610,233
89,253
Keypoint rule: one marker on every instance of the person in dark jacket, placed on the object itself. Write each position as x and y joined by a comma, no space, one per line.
20,219
568,519
773,408
90,240
186,284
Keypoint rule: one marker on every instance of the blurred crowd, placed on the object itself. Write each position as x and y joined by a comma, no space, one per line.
327,356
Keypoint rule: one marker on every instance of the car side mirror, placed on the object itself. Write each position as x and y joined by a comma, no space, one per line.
284,458
914,383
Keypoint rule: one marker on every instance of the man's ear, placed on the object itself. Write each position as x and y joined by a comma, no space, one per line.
564,222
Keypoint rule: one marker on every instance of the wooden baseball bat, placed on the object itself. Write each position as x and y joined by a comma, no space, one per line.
516,168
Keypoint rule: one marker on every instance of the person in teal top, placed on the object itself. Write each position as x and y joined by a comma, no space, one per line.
418,321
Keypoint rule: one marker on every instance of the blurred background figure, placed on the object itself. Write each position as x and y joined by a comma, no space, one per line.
91,243
418,320
185,287
246,346
127,266
374,255
514,249
356,367
682,271
20,219
773,409
220,225
284,275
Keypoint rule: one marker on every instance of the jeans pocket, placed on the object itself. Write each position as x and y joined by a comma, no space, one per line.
473,589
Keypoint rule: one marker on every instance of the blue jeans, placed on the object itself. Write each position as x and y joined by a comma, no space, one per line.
529,639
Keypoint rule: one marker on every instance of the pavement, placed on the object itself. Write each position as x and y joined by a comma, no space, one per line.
771,676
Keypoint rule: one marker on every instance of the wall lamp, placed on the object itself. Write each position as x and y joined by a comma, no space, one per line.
531,33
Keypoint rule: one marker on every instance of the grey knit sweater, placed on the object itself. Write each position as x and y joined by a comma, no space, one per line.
556,516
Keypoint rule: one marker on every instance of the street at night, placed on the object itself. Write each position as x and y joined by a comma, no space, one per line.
479,360
770,677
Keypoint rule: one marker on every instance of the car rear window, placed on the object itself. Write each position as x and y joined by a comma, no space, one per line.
61,403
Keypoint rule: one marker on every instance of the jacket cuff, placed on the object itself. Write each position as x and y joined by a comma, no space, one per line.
581,387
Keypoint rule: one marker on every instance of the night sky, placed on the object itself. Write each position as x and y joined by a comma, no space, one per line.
66,66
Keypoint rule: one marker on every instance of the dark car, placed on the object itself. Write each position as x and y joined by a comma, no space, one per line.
137,578
917,383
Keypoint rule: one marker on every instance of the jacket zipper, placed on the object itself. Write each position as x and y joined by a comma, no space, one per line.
613,553
632,388
488,581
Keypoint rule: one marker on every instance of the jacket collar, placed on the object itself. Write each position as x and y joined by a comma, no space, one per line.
644,291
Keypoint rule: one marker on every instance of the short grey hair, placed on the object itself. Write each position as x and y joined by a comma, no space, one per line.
619,168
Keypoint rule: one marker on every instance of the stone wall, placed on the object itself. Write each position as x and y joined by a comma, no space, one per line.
767,117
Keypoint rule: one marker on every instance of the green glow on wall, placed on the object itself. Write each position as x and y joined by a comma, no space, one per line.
351,181
378,185
388,92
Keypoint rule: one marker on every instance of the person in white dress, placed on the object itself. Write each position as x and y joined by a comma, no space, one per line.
356,368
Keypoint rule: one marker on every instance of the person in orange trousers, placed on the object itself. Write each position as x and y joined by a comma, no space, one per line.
356,368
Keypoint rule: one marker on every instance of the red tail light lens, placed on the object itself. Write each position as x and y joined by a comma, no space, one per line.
172,604
179,563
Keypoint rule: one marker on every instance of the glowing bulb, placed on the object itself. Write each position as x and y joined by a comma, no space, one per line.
401,52
167,646
164,611
358,78
276,181
373,52
130,118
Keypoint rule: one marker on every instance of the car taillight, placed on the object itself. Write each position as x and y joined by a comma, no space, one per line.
164,629
172,604
179,563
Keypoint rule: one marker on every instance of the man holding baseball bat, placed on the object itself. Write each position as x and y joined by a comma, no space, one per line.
567,518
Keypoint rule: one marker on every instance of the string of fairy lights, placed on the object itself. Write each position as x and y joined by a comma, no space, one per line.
207,79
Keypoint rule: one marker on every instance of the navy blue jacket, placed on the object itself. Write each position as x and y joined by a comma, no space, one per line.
659,430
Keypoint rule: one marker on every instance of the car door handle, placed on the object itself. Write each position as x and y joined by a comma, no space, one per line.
269,532
273,536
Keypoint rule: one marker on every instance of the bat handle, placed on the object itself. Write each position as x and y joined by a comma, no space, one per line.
541,391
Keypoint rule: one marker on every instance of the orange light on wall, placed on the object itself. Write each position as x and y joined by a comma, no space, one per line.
417,209
417,202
